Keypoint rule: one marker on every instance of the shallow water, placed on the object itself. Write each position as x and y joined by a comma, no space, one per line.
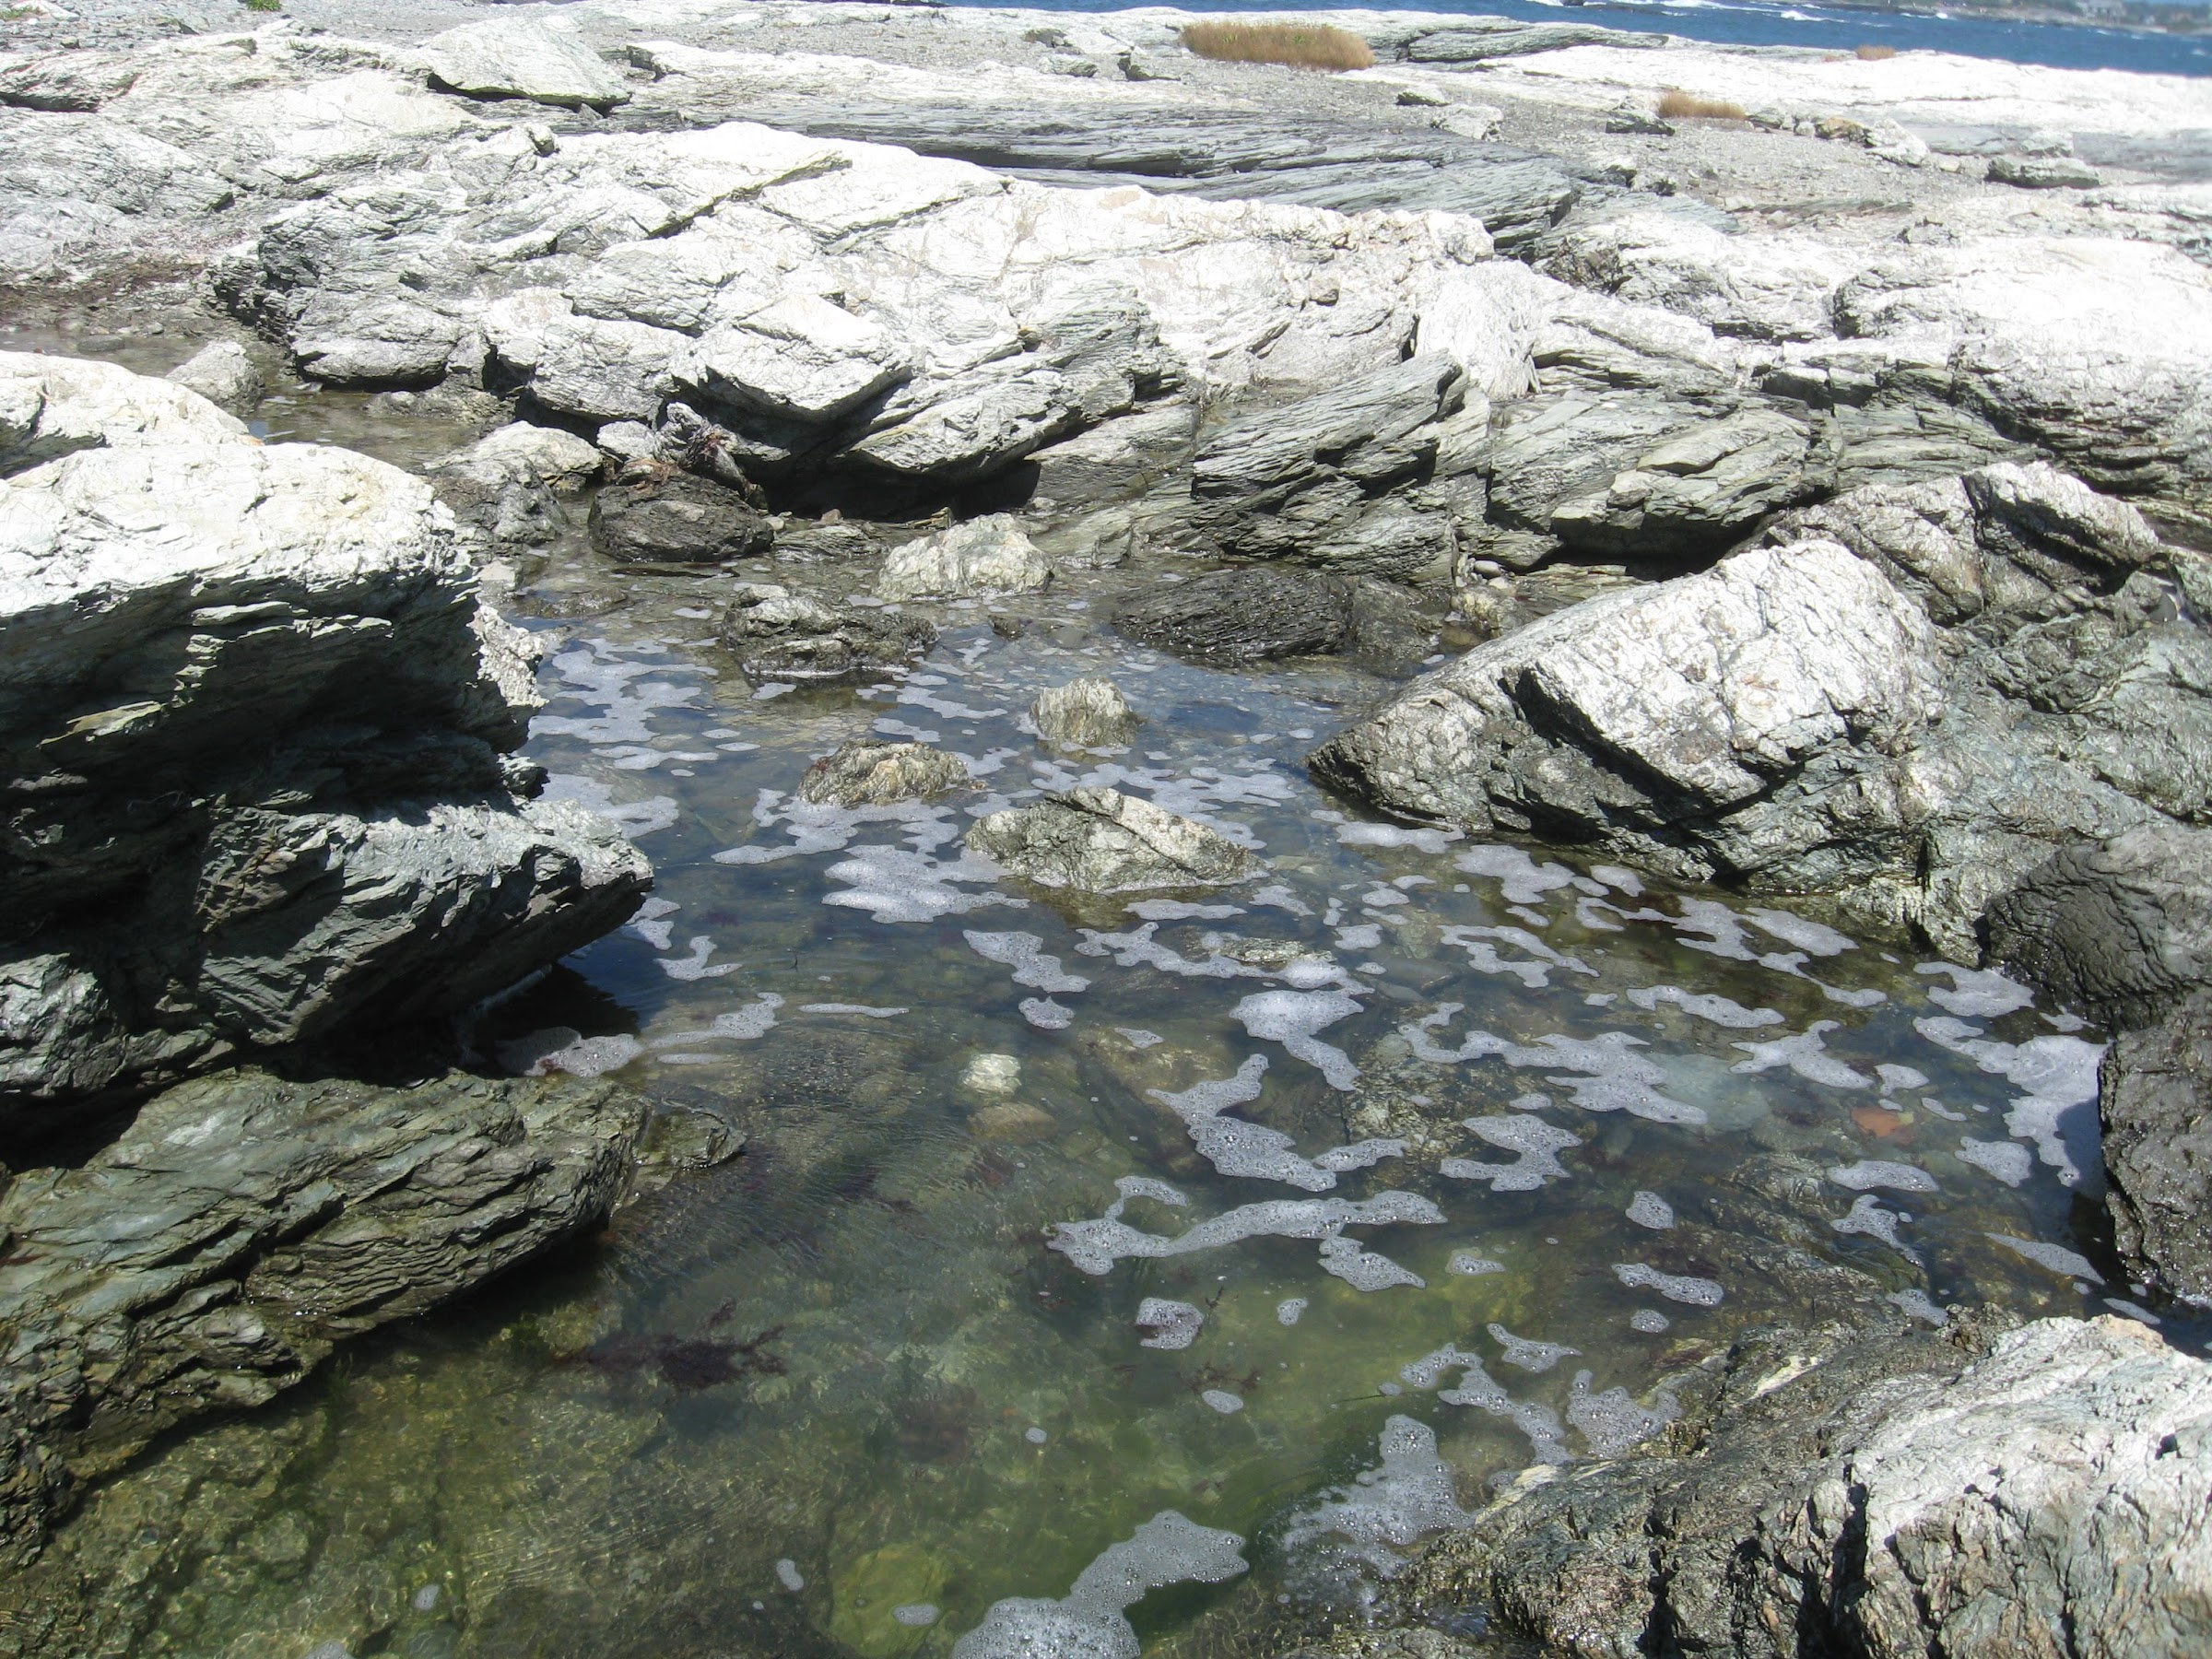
1262,1227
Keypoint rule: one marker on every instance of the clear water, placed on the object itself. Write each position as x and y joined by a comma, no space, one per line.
844,1394
1821,29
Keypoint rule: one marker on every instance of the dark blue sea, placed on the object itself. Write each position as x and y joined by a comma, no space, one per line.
1736,23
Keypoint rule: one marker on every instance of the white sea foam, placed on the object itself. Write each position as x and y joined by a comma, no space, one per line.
2007,1160
1868,1218
1879,1172
1532,970
1694,1292
2056,1257
1173,1324
1392,835
1025,954
1975,993
1648,1209
1714,1010
1088,1622
1406,1496
1538,1144
1611,1080
1612,1423
1804,1054
1527,1353
1290,1309
1291,1017
1094,1246
2058,1109
1363,1269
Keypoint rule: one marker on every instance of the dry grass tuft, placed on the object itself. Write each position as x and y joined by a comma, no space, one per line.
1877,55
1678,105
1298,46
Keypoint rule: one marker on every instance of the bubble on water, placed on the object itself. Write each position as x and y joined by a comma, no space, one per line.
1611,1080
1088,1622
1477,1388
1140,1039
1526,1353
1536,1142
1363,1269
1365,937
1278,897
1139,948
895,884
1181,910
1291,1017
593,674
991,1074
1432,1367
634,817
1648,1209
1174,1324
562,1049
650,922
1896,1078
2007,1160
1650,1320
1360,1154
1523,881
2058,1112
916,1615
860,1008
1713,1010
1365,1524
1095,1246
1695,1293
787,1574
1915,1304
696,966
1794,929
425,1600
1468,1263
1975,993
1222,1401
1612,1423
1392,835
1870,1173
1532,970
1804,1054
2056,1257
1290,1309
1025,954
1868,1218
1045,1014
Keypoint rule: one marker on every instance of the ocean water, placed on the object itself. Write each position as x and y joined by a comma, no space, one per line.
1815,28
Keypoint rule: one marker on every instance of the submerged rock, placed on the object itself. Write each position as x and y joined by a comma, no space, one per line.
868,773
1260,614
679,519
1099,841
244,1225
779,634
984,556
1090,713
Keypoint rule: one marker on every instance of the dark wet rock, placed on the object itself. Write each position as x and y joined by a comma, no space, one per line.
223,373
1090,713
867,773
242,1226
1099,841
1260,614
781,634
676,519
1888,1495
257,726
2155,1097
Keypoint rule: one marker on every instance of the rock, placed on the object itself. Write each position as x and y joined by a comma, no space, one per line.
223,374
1090,713
867,773
244,1225
510,482
2044,173
678,519
802,359
1702,489
314,830
1884,1496
2155,1101
984,556
1635,118
782,635
1099,841
517,57
1114,460
1262,614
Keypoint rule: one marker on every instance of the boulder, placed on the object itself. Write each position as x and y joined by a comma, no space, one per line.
1090,713
782,635
225,375
984,556
2155,1101
677,518
258,723
511,482
868,773
242,1226
2044,173
1262,613
1887,1496
1099,841
519,57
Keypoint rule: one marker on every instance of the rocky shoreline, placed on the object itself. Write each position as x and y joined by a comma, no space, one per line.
1809,498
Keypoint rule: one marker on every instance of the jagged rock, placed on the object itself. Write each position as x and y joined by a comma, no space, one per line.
1635,118
1099,841
782,635
2044,173
509,482
802,359
868,773
1312,482
1704,488
1090,713
242,1226
223,374
1260,614
984,556
1891,1496
678,519
2155,1101
519,57
1114,460
255,721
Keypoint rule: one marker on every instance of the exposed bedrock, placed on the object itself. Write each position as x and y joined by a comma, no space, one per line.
257,728
1912,717
1260,614
1883,1496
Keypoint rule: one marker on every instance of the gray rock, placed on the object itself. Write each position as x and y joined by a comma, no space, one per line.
1635,118
1099,841
677,518
2155,1099
867,773
1114,460
225,375
1090,713
1260,614
2044,173
1700,489
242,1226
778,634
1892,1496
984,556
1482,39
519,57
511,482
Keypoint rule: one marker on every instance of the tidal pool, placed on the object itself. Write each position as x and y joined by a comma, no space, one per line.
1099,1275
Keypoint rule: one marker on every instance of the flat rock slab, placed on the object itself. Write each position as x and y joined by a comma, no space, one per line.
1099,841
517,57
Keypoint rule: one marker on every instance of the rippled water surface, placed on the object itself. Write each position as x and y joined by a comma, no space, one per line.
1076,1234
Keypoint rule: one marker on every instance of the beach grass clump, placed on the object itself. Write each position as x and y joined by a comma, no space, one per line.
1876,55
1296,45
1678,105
